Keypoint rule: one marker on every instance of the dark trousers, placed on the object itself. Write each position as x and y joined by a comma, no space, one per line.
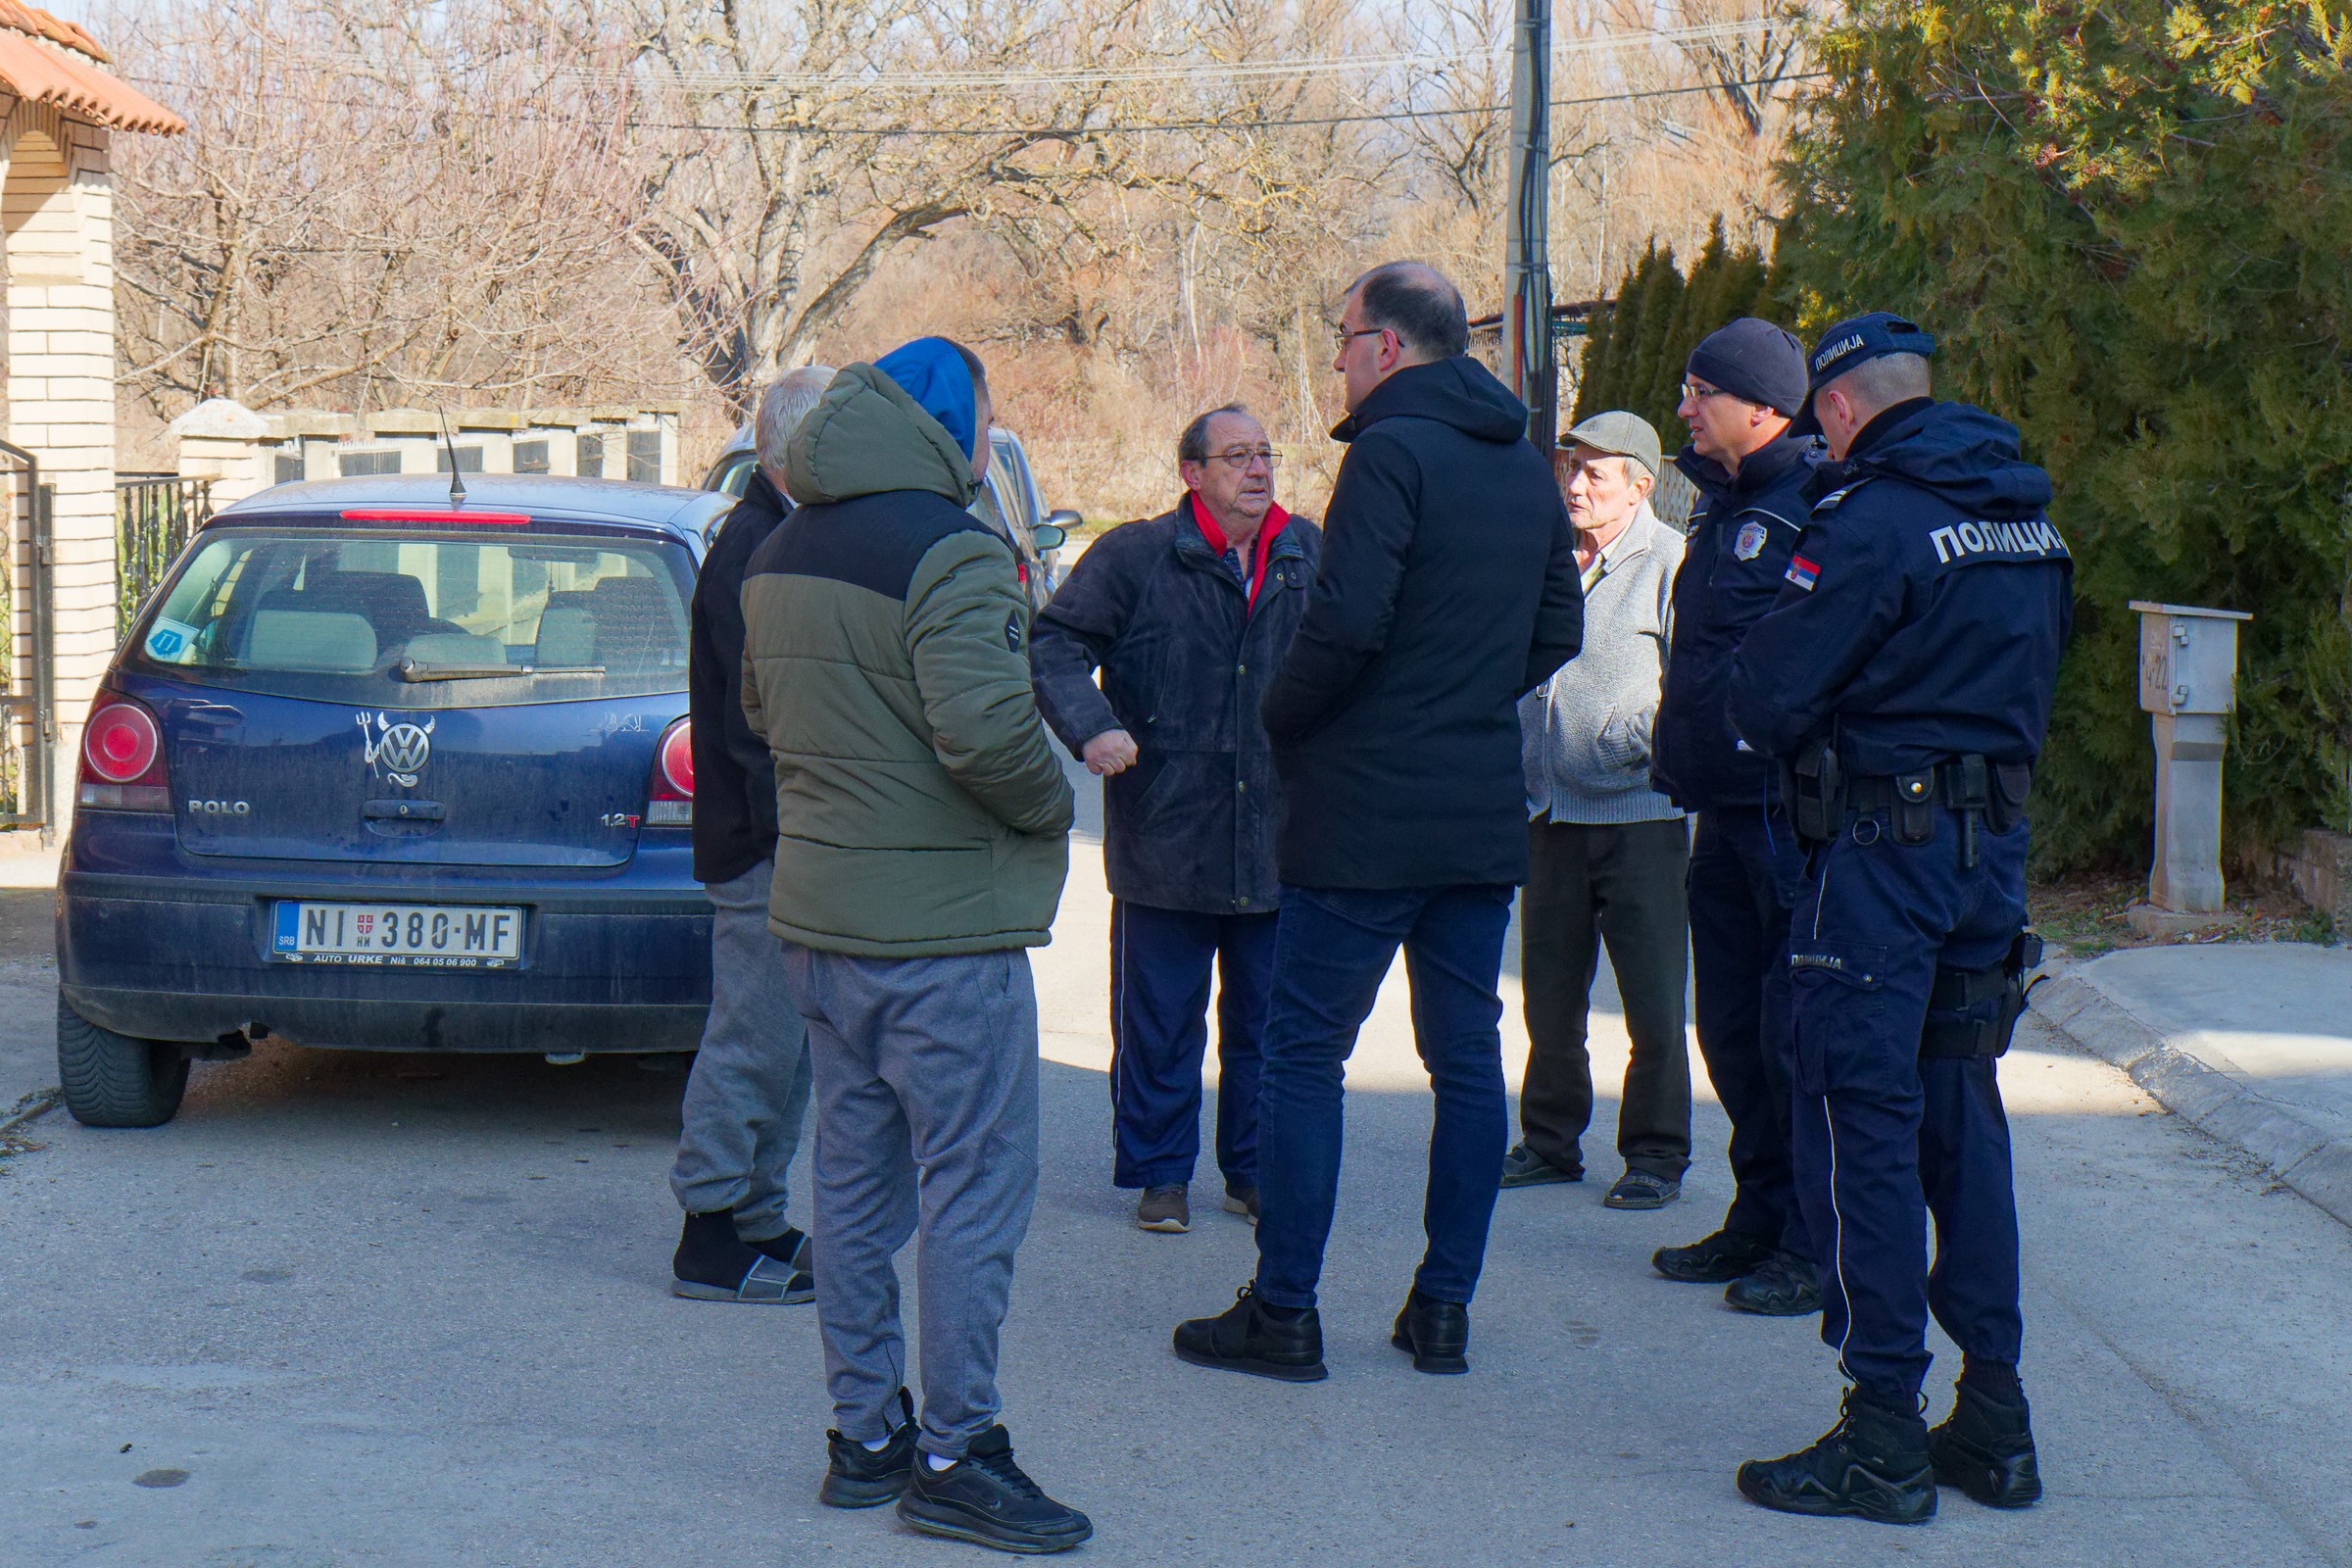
1331,950
1618,884
1746,872
1885,1139
1160,970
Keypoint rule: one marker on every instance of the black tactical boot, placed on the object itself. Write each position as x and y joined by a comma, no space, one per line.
860,1477
1247,1337
1873,1465
1986,1448
1436,1333
1722,1256
1783,1285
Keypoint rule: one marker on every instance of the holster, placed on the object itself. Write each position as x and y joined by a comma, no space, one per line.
1974,1013
1814,787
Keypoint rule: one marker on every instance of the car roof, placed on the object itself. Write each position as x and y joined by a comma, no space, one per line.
655,508
998,435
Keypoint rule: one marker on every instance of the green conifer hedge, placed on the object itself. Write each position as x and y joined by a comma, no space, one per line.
2131,226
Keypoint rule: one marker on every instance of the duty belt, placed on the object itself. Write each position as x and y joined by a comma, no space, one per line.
1824,799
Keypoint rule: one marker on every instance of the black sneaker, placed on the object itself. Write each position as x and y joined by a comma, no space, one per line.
985,1499
1783,1285
860,1477
1241,1198
1724,1255
1247,1338
1436,1333
1873,1465
714,1265
1986,1448
1524,1167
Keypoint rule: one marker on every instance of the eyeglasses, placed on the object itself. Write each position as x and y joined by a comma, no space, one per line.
1240,457
1344,337
1692,392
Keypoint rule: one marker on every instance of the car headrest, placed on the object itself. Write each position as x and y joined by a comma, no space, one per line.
318,641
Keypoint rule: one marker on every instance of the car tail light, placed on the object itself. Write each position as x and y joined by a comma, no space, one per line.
122,758
669,798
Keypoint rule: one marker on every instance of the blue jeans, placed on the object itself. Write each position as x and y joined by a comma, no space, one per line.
1160,961
1332,948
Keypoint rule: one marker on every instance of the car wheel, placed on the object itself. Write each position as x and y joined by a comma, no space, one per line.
112,1080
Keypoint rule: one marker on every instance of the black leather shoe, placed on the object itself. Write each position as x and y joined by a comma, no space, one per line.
1783,1285
1873,1465
1436,1333
1724,1255
985,1499
1244,1338
860,1477
1986,1448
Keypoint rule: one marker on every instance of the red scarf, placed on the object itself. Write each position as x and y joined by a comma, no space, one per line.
1276,517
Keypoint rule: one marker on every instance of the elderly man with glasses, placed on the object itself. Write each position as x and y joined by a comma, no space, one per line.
1186,616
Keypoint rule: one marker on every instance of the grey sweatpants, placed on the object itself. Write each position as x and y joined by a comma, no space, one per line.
748,1091
929,1066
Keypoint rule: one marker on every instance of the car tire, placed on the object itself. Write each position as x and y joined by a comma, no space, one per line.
112,1080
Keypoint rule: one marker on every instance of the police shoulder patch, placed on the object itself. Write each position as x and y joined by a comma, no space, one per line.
1750,542
1802,572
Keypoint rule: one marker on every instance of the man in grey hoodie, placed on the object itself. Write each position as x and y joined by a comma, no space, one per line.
1606,854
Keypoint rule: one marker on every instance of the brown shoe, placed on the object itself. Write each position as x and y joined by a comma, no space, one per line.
1163,1208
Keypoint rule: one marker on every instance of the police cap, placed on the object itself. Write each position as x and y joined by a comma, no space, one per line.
1858,340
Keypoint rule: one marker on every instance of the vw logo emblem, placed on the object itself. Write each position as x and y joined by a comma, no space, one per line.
399,752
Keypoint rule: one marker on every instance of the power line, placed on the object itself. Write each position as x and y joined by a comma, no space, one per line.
1137,129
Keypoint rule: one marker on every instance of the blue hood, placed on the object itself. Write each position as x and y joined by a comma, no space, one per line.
931,371
1960,453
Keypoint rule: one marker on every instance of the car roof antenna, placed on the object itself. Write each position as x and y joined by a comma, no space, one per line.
457,482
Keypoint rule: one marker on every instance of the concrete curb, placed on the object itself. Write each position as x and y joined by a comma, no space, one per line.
2309,1155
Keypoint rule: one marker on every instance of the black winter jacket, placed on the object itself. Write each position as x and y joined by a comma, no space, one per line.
1742,533
1185,661
734,776
1449,589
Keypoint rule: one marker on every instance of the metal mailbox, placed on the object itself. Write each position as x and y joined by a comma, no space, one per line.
2188,658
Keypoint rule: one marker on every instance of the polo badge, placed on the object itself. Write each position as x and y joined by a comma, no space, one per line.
1750,542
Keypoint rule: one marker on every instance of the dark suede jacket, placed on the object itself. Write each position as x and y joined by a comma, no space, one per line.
1185,659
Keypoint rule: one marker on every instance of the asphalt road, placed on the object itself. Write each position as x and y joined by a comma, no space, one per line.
370,1309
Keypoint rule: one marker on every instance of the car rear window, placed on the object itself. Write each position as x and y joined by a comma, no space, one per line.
442,620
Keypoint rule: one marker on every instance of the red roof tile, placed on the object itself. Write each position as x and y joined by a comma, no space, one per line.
45,75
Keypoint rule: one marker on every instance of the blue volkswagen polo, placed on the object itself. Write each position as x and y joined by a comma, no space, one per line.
380,768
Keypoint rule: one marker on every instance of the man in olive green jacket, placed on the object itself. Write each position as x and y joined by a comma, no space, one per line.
922,822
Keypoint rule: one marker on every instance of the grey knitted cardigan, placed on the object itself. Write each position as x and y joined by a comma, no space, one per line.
1584,735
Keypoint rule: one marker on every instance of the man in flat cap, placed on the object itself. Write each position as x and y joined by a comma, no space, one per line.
1606,853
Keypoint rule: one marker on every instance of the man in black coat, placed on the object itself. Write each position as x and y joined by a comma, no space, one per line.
1740,387
748,1091
1449,589
1187,615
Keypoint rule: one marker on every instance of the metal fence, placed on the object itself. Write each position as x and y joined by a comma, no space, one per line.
154,514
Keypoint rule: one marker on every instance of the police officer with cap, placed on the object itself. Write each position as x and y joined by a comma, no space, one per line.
1740,387
1904,681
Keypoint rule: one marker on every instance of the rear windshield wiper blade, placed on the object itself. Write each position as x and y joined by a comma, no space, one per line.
415,669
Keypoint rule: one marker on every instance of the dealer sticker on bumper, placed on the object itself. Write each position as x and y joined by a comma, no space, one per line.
464,936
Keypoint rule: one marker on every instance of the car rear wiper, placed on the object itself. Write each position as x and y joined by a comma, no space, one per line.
415,669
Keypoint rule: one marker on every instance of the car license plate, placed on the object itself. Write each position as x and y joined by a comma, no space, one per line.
429,936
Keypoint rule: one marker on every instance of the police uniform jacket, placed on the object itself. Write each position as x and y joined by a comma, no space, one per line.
1186,655
1741,534
1925,607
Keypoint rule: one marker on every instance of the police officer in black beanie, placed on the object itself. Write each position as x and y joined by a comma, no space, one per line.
1739,389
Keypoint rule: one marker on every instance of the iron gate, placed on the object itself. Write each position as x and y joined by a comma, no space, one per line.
154,514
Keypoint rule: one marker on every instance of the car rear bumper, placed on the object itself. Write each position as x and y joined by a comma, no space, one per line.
620,964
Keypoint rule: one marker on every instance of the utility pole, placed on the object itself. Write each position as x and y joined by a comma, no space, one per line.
1527,263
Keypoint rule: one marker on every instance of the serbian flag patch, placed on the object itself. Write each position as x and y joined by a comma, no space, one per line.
1802,572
